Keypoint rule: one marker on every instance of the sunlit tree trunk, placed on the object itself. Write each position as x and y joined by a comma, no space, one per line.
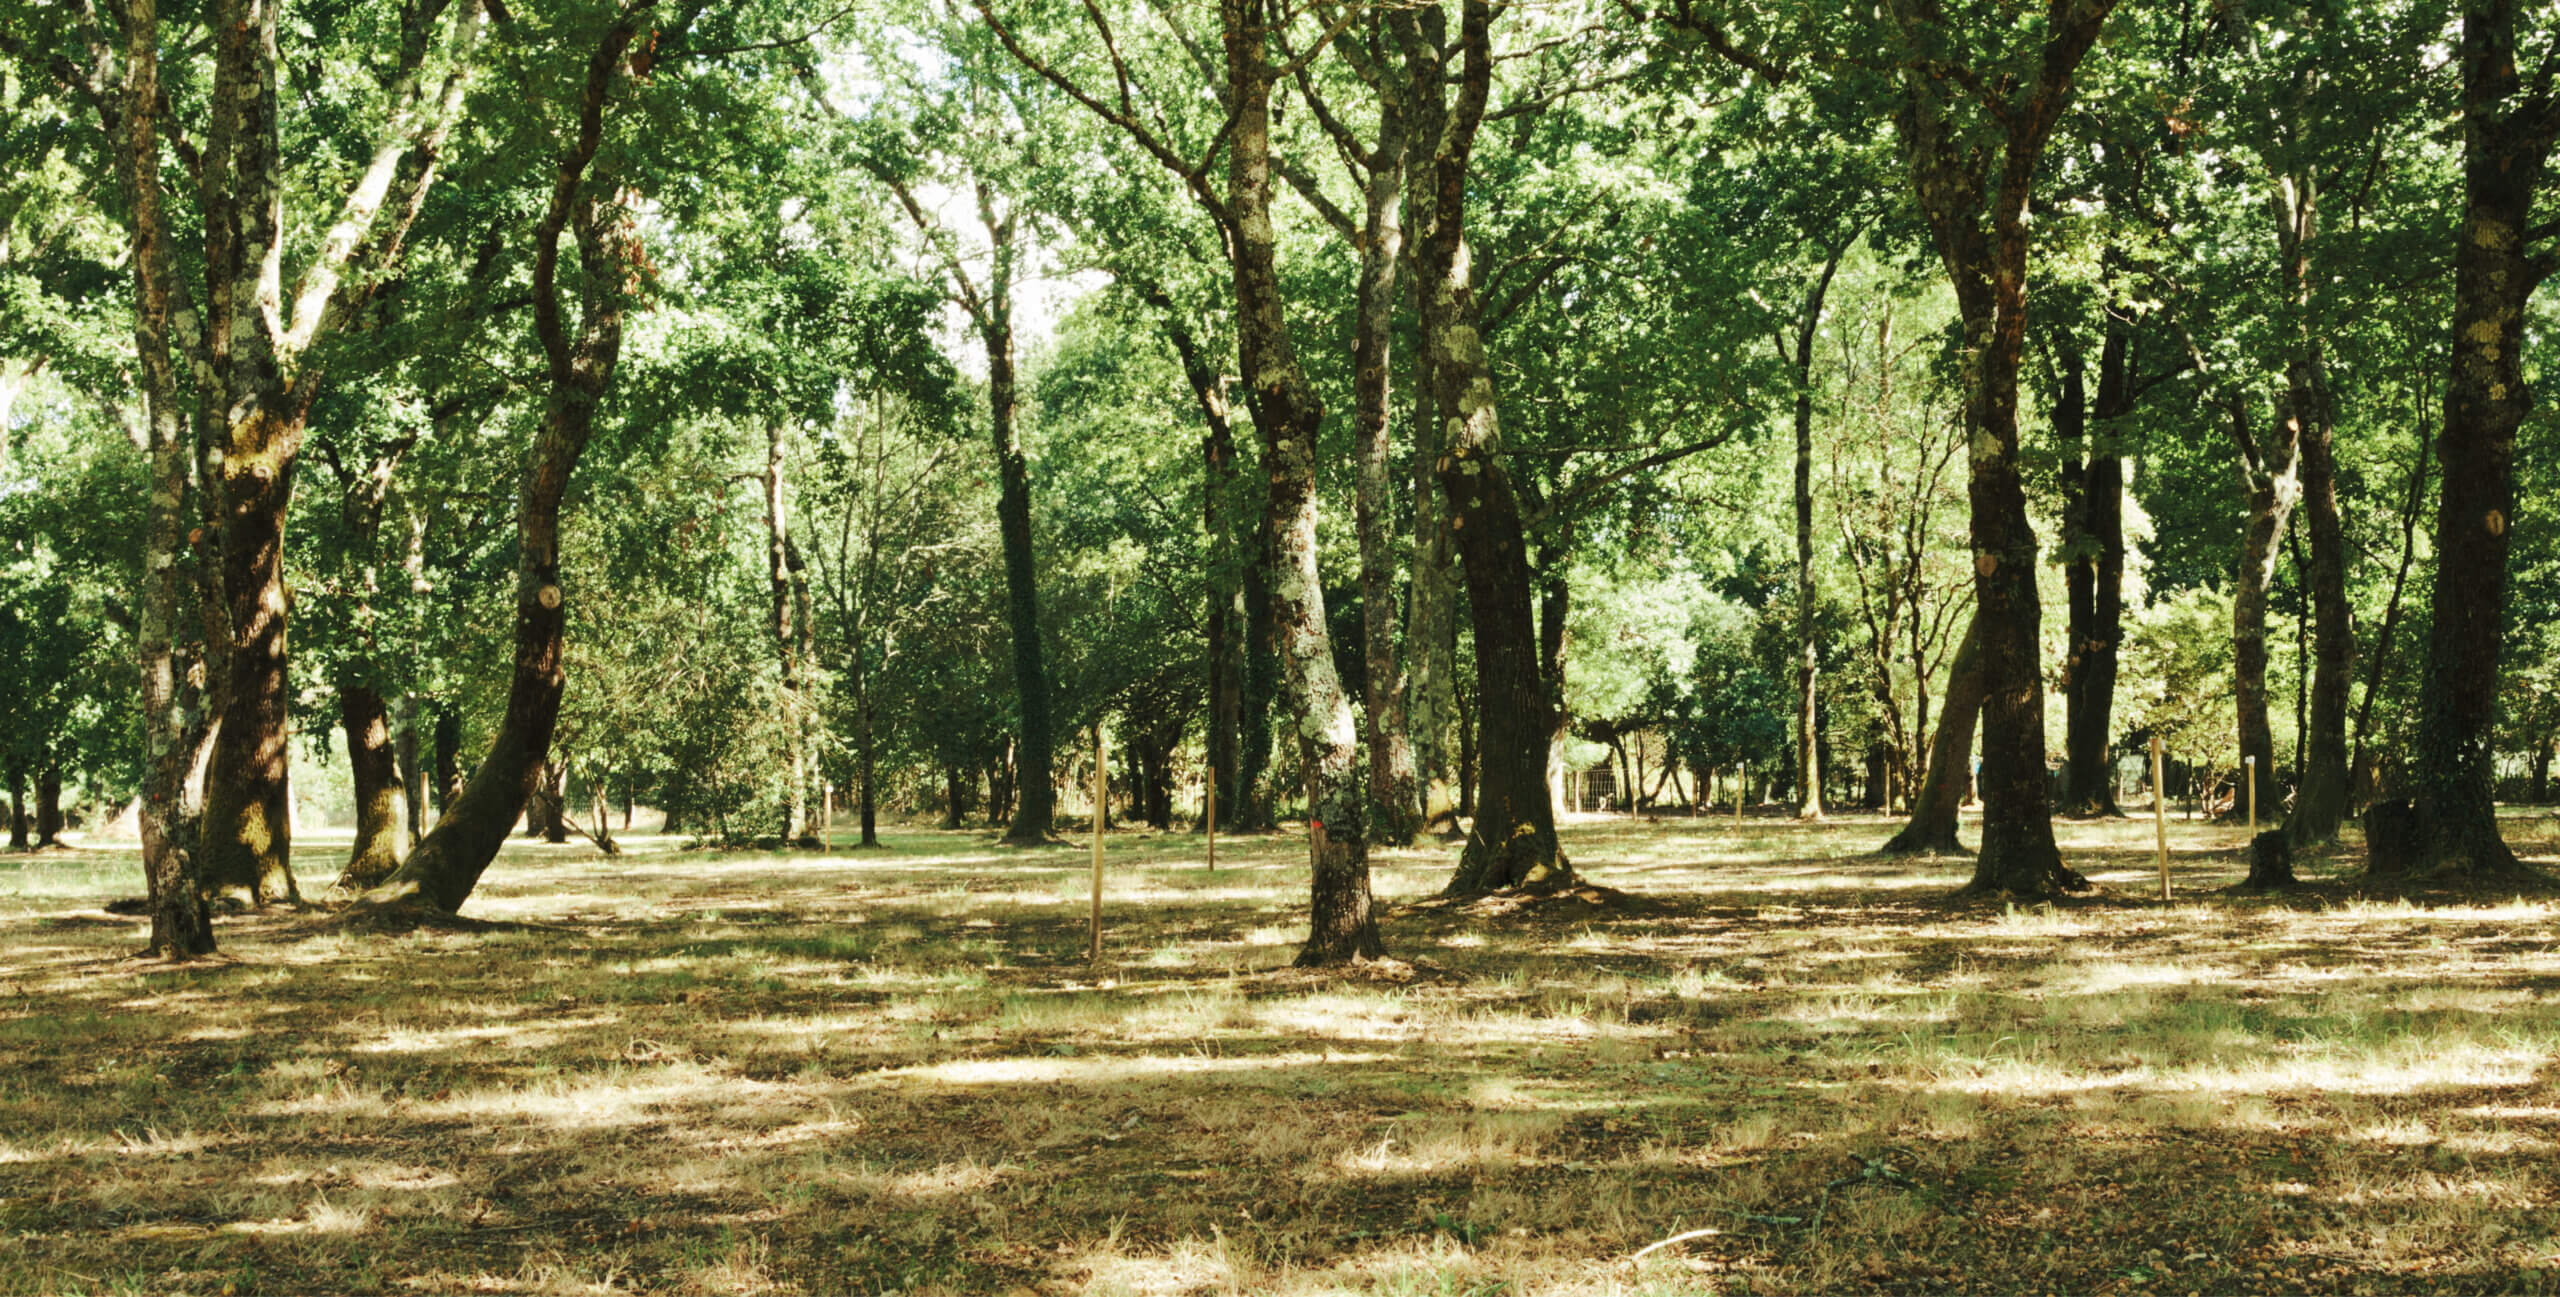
1290,418
2508,131
2271,477
174,723
1395,799
381,803
786,639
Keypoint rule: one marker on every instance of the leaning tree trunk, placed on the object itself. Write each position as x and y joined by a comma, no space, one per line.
374,768
1290,418
1513,843
1932,828
2507,139
173,731
444,868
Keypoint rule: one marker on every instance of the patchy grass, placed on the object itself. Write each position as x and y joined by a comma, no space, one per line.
895,1072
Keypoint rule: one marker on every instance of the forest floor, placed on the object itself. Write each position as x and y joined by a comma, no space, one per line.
896,1071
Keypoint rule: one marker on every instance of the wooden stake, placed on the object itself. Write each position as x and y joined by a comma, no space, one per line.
2160,814
1210,816
2250,765
1101,805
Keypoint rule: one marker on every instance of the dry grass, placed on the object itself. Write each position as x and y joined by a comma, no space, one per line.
895,1072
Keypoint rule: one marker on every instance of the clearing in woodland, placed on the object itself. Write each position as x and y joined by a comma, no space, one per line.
895,1071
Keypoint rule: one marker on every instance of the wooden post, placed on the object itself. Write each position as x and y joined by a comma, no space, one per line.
2250,765
1210,817
1101,806
2160,815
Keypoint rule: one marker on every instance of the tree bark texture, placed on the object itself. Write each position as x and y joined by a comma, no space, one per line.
1431,626
174,721
1513,842
2508,130
2093,550
381,802
1395,797
1290,417
1975,181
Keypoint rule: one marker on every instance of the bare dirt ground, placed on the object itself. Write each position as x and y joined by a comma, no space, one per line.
895,1071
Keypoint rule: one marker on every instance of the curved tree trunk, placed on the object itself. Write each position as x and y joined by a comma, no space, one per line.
1290,418
1949,774
1513,843
447,865
1973,168
381,803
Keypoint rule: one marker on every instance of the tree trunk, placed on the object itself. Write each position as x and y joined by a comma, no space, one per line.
372,766
1513,843
2270,472
2507,139
547,816
867,756
1944,781
174,721
2360,764
1290,418
1431,627
2093,566
951,795
248,824
1978,219
413,774
18,807
1034,751
2320,805
786,639
2542,771
49,804
1253,808
1808,646
1395,799
1225,614
448,758
447,865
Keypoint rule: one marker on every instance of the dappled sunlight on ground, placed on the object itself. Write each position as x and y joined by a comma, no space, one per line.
845,1071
